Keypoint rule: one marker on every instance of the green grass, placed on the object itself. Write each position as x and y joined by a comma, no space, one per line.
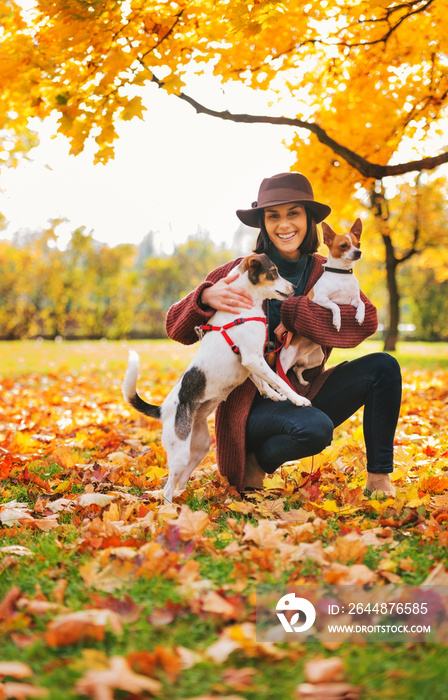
411,355
46,357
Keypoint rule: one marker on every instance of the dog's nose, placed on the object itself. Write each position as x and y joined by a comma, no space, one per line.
357,254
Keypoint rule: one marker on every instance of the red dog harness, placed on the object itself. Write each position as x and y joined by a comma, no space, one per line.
236,322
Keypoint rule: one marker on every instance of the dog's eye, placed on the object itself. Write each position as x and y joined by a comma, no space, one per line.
344,246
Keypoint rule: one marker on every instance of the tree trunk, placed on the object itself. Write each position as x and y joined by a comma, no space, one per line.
381,213
391,336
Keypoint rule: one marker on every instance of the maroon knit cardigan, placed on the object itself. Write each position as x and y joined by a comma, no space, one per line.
298,314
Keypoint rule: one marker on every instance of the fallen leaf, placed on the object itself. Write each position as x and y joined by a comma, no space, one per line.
119,676
328,691
191,524
13,513
22,691
98,499
7,605
437,577
265,535
82,625
215,603
16,669
161,658
239,678
324,670
216,697
310,550
355,575
241,507
188,657
348,548
18,550
274,482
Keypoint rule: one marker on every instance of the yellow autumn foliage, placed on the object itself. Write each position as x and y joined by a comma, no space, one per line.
371,74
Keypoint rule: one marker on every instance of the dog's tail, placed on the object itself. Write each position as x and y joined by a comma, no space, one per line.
129,388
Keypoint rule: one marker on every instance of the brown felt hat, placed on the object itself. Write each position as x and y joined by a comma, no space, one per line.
282,189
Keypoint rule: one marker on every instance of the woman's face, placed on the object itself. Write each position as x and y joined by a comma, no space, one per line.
286,226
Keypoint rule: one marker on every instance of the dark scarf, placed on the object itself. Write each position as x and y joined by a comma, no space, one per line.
297,272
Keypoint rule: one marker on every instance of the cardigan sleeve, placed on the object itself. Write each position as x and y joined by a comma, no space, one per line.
305,317
184,315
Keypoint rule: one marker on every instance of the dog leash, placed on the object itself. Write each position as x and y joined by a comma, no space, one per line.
270,353
280,371
200,330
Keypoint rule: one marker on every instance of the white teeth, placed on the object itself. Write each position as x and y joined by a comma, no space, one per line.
286,236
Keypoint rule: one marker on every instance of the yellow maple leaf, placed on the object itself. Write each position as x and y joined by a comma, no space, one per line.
332,507
134,108
274,482
156,472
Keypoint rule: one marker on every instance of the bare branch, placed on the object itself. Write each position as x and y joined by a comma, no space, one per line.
365,167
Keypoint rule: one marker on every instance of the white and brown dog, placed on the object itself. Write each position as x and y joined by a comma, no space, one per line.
338,285
215,371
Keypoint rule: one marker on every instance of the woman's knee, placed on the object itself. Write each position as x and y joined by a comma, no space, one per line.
316,432
386,367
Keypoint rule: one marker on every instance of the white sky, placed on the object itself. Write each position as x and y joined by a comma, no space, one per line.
173,172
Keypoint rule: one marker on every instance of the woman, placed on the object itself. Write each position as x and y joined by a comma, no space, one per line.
255,435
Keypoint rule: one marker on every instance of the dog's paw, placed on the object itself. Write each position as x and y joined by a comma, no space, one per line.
271,393
277,397
298,372
337,320
301,401
360,316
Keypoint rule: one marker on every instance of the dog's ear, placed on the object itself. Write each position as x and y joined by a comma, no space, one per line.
248,262
356,229
254,266
329,234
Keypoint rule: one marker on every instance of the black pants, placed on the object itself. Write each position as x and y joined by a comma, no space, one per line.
279,431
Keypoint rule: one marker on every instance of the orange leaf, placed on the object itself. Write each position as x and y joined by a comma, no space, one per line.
119,675
191,524
83,625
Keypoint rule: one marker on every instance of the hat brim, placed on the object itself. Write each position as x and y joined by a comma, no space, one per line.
251,217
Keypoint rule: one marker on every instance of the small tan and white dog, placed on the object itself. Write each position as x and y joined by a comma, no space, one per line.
338,285
215,371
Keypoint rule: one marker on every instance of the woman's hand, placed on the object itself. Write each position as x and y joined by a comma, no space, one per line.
224,298
280,332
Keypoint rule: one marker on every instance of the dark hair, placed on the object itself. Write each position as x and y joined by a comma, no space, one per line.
310,243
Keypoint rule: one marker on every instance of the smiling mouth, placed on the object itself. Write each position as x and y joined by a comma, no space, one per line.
286,236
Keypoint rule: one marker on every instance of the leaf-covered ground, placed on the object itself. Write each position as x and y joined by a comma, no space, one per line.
105,592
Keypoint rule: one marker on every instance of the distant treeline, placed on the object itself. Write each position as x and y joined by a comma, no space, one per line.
90,290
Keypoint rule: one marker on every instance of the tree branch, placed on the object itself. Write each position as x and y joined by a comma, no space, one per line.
362,165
